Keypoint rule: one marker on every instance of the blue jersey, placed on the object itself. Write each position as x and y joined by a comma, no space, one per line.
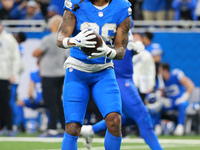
102,21
124,68
35,77
173,88
154,48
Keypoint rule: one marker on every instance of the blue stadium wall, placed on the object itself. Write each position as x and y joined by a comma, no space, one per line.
180,50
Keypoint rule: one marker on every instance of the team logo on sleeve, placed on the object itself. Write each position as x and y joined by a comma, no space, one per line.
68,4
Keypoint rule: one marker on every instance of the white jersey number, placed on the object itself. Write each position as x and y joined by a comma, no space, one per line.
172,90
104,30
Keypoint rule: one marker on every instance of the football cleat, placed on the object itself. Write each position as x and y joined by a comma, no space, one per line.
158,129
9,133
88,133
51,133
179,131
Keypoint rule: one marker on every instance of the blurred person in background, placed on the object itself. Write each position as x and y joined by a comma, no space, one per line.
5,7
197,10
144,74
20,37
184,9
27,10
136,6
154,9
59,4
16,3
52,10
44,5
154,48
156,51
10,66
17,110
35,98
52,73
170,10
144,70
35,85
177,90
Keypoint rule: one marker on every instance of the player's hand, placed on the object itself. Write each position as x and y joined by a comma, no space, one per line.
20,103
182,99
179,101
167,102
22,5
12,79
137,46
82,39
104,50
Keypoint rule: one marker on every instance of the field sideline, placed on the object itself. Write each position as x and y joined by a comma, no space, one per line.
34,143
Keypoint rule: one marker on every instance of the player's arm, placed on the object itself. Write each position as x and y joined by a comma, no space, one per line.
26,102
189,85
66,29
121,38
38,52
31,88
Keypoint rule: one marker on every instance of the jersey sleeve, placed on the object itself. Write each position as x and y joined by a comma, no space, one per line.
178,73
156,49
125,7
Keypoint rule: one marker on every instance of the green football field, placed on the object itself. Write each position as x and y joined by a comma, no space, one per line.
34,143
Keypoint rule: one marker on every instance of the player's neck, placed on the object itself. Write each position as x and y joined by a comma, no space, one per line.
100,2
167,76
147,43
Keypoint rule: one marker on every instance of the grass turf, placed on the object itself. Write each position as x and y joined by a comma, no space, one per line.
131,144
96,146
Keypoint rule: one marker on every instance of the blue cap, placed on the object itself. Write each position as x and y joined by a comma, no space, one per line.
53,8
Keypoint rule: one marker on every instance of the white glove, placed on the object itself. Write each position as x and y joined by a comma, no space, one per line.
182,99
137,46
104,50
81,40
167,102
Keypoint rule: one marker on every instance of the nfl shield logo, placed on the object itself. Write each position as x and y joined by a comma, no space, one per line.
100,14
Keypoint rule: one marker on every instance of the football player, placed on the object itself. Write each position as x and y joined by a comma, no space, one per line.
144,70
35,84
35,99
133,108
154,48
17,111
178,88
95,73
